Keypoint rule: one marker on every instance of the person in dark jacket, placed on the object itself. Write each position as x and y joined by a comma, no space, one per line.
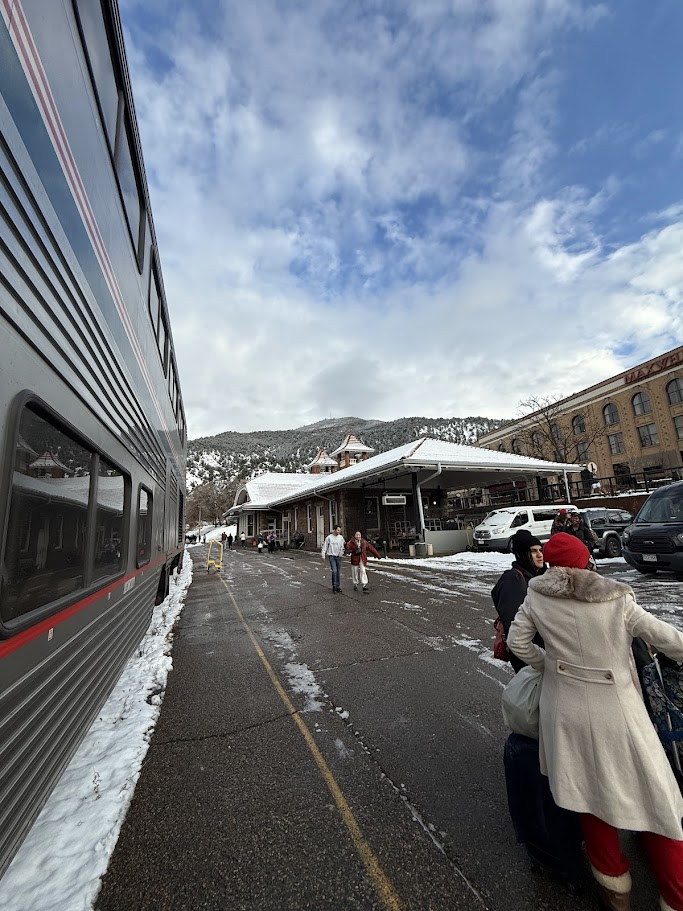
510,590
579,529
560,522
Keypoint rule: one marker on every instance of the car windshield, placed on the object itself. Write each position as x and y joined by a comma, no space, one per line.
499,517
664,506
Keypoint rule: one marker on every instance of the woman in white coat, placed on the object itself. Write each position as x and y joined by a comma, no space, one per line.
597,744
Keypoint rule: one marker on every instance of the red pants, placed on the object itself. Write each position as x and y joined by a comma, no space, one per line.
665,856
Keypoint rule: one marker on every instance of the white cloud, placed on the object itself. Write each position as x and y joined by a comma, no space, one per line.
359,213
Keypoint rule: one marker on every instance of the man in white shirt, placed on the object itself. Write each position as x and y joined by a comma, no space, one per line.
333,548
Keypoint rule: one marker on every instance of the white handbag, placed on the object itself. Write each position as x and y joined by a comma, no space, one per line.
520,702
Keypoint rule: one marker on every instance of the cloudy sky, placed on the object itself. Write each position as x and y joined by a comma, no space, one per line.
386,208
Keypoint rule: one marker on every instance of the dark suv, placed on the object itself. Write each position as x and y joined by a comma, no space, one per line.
655,540
608,524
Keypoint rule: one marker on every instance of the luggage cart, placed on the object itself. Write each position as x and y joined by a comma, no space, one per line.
215,563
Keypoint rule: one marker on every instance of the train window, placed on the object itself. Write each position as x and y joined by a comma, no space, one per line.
143,545
163,339
172,386
128,182
181,422
154,299
45,549
109,521
94,36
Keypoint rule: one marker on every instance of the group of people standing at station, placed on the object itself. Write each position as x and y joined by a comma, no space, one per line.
597,745
335,547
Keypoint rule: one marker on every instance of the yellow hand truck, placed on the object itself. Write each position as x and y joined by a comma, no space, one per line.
217,564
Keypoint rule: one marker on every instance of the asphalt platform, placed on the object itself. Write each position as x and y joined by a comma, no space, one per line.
330,751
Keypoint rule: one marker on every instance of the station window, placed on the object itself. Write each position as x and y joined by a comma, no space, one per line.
610,414
678,424
309,523
674,391
582,451
66,517
143,542
642,403
648,435
579,424
516,446
616,443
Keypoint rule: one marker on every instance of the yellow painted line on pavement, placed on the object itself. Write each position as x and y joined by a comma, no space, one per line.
382,884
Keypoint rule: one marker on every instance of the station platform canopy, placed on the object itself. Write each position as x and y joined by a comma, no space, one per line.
457,466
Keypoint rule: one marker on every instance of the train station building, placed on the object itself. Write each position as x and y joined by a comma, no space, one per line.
398,497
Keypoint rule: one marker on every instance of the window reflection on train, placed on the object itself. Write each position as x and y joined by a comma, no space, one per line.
61,490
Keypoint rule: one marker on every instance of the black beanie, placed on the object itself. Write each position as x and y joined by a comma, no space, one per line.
522,542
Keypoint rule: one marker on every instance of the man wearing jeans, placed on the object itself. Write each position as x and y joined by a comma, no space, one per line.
333,548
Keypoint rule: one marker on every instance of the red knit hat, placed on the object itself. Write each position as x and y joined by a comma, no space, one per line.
566,550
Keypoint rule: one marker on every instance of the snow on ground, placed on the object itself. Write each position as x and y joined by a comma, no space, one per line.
66,852
489,561
214,532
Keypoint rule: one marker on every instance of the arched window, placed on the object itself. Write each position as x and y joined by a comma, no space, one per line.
674,391
611,414
641,403
501,448
578,424
537,441
556,431
517,446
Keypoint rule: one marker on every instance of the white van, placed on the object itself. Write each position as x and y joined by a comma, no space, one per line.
499,526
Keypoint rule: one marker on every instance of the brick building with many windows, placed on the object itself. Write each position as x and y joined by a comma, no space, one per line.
627,427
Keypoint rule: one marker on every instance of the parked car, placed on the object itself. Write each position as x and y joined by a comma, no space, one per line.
655,539
608,525
497,529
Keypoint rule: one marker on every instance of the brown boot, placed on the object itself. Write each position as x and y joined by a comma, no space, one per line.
614,891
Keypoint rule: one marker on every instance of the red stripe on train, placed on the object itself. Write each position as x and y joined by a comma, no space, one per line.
7,646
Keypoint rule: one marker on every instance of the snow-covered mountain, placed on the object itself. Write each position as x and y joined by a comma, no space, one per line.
229,458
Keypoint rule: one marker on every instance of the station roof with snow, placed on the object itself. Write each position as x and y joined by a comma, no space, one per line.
457,466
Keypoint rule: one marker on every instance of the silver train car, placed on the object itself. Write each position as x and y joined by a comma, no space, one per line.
92,428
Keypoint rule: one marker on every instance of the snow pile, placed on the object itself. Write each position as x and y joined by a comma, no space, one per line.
66,852
487,561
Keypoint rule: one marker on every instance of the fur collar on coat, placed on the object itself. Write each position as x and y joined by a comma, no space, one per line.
581,584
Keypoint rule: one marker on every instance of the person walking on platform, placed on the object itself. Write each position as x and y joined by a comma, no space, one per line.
510,589
229,539
243,539
597,745
333,549
358,547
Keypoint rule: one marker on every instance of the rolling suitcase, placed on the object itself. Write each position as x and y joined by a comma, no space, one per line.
550,834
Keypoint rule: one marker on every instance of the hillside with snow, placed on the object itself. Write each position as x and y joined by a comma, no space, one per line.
230,458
